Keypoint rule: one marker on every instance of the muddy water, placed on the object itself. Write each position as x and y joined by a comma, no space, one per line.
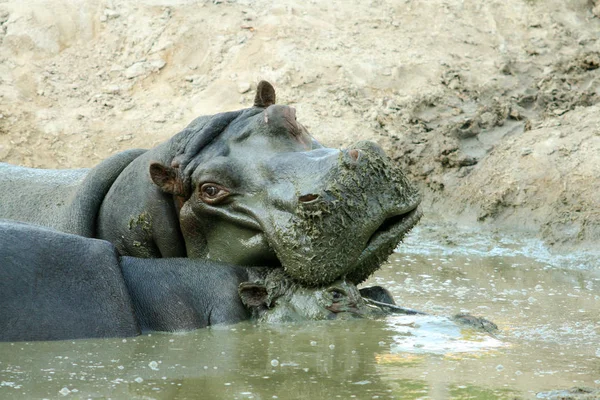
547,308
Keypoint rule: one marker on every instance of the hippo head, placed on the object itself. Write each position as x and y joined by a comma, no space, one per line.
254,188
277,299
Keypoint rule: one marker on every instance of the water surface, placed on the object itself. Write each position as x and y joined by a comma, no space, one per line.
547,308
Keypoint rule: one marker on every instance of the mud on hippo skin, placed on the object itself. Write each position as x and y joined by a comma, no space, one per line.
363,190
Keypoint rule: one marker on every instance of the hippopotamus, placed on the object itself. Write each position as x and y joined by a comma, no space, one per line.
250,187
55,285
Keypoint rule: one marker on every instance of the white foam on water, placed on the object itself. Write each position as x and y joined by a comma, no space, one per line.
437,335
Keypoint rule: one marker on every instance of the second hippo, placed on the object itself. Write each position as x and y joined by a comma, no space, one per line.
56,286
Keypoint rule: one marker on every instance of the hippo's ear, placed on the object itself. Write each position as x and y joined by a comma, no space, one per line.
377,293
167,179
253,295
265,95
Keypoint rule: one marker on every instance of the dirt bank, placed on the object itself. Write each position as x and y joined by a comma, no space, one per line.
492,106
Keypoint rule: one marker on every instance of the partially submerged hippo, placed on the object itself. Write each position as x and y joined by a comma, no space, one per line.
249,187
56,286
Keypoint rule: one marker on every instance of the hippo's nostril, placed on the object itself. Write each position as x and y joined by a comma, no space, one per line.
307,198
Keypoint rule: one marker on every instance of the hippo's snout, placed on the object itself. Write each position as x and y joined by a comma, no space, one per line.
308,198
348,311
350,221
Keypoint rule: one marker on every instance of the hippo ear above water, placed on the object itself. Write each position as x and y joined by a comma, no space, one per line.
167,179
253,295
265,95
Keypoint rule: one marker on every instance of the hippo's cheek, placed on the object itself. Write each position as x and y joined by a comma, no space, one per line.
283,312
240,247
228,233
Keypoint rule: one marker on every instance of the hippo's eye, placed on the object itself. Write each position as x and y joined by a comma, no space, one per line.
337,294
212,193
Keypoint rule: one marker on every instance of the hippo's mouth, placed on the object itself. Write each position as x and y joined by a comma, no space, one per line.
390,233
297,252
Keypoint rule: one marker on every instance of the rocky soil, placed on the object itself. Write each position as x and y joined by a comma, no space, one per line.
493,107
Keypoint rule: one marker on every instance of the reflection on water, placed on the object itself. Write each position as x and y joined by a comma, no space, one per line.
549,339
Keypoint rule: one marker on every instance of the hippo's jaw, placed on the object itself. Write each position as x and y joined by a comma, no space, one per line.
393,227
383,242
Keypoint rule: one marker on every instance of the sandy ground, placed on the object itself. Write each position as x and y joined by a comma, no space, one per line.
493,107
